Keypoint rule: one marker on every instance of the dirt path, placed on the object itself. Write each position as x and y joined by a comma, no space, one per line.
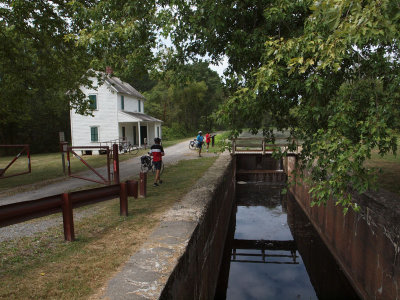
128,169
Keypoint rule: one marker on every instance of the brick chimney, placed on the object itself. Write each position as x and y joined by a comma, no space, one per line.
109,70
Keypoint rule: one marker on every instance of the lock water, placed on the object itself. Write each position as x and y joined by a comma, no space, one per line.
272,251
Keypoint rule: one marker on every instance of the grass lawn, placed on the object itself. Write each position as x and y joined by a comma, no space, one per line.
48,167
389,175
46,267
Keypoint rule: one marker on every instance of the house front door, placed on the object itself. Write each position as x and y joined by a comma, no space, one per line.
134,135
143,134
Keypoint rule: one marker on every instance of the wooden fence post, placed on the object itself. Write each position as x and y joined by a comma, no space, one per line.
123,200
68,218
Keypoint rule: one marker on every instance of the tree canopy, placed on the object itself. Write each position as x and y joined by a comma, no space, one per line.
47,51
326,71
186,106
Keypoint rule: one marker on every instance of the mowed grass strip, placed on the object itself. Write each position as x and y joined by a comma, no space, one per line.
46,267
388,168
48,167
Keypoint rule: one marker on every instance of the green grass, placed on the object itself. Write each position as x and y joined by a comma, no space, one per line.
388,168
46,267
48,167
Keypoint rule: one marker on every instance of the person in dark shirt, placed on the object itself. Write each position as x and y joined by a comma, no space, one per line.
157,151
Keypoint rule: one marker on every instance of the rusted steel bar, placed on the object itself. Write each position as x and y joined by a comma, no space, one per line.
123,200
143,184
116,164
18,212
108,165
132,188
91,168
68,217
105,193
25,148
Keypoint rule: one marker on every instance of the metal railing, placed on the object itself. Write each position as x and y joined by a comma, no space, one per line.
259,145
25,148
19,212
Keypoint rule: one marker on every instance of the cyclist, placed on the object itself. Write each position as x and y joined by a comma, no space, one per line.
157,151
200,141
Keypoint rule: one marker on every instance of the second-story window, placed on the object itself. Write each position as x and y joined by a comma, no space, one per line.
93,102
122,102
139,106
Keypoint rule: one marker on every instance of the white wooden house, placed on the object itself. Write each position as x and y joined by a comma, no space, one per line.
118,115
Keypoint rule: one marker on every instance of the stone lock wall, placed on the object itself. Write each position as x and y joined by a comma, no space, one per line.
195,276
366,244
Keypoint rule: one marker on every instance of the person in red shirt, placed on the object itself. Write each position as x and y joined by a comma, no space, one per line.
208,138
157,151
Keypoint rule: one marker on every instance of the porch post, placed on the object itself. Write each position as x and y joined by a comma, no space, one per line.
140,136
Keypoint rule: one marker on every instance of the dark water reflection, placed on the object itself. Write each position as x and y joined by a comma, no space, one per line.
273,252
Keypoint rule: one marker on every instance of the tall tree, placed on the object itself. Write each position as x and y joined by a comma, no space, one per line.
186,106
325,70
47,51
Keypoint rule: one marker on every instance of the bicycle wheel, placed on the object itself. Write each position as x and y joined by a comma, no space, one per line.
192,145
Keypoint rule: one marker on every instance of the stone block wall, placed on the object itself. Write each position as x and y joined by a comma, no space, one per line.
195,275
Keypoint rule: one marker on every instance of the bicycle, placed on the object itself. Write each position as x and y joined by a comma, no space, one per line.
147,164
193,144
128,148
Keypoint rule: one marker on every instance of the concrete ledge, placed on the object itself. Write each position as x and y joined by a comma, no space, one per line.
181,258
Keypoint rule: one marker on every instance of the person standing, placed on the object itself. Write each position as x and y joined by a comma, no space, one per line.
157,151
200,141
208,139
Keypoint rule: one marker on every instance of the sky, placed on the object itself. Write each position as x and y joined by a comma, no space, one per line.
221,67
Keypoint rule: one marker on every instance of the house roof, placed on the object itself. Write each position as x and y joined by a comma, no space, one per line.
123,87
141,116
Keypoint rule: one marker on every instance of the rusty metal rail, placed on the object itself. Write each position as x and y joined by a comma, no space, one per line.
27,210
101,179
25,147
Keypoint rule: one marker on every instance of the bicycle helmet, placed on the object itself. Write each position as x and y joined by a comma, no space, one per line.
157,140
200,132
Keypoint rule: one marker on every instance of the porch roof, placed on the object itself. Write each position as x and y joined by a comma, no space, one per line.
138,117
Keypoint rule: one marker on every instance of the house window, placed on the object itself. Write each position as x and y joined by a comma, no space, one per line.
94,134
123,132
139,106
158,131
122,102
92,102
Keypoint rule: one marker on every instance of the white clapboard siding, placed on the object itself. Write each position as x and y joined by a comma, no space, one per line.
109,117
105,118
